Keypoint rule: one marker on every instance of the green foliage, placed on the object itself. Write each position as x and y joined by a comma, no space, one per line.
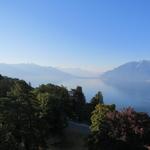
97,99
6,85
120,130
78,104
20,88
44,91
89,107
99,115
53,102
19,119
55,115
29,117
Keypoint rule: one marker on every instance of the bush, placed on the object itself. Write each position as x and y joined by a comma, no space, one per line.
120,130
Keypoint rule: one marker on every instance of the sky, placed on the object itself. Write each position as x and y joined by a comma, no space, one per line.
90,34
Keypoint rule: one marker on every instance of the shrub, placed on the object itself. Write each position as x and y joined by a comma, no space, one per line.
127,129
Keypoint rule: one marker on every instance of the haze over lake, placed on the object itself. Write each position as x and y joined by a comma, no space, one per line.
133,94
126,85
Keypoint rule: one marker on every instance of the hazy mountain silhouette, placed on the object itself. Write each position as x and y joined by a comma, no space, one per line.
78,72
132,71
34,73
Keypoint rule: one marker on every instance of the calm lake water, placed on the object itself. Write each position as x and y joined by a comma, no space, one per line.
133,94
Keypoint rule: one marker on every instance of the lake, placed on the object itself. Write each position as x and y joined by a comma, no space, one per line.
133,94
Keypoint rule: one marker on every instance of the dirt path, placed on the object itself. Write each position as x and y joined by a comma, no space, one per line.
74,137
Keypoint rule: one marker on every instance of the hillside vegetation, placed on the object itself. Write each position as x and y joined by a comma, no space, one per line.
52,117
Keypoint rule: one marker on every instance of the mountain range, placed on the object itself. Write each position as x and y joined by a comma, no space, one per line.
137,71
80,73
34,73
37,74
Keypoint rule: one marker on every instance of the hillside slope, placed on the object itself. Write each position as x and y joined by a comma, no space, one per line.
34,73
132,71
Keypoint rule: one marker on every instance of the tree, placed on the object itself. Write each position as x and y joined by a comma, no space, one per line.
78,103
97,99
120,131
54,101
60,92
99,115
6,85
55,115
19,119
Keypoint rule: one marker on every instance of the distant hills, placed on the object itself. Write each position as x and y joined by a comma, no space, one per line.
78,72
34,73
132,71
37,74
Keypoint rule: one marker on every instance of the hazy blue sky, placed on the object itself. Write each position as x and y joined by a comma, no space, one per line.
74,33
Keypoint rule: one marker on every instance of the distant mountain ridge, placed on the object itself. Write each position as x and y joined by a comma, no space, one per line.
132,71
78,72
34,73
